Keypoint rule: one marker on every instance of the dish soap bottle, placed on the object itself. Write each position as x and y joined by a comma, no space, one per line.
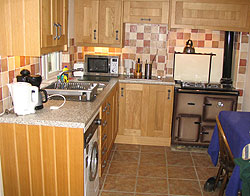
65,75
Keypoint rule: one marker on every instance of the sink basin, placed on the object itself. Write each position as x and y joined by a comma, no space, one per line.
76,91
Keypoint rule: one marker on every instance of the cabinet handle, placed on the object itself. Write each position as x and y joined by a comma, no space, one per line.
145,19
207,104
197,123
104,150
205,133
116,35
109,107
56,25
60,31
122,92
104,137
104,123
191,103
104,164
94,34
169,91
104,109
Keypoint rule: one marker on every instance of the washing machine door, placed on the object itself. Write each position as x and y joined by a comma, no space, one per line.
93,168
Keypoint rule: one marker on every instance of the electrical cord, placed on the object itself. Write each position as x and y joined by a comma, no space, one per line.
7,111
57,107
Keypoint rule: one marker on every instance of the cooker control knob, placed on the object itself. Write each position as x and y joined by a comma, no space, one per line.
98,121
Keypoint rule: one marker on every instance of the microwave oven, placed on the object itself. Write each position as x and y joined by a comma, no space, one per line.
101,65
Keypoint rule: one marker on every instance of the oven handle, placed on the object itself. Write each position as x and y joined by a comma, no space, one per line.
207,92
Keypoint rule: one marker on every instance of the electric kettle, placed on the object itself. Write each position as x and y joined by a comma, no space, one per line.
24,97
189,48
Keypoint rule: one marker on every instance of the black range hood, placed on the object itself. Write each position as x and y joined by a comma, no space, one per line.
228,57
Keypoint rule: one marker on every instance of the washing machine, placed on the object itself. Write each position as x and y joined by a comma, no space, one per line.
91,178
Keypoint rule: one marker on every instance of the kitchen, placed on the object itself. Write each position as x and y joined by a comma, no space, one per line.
140,41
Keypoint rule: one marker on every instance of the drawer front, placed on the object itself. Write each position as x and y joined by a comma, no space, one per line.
213,106
206,133
188,127
189,103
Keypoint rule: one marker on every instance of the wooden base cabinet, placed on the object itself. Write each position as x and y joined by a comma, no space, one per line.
98,23
145,114
227,15
41,160
33,28
109,128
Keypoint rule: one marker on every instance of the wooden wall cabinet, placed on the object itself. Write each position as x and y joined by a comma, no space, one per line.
109,127
227,15
145,11
33,28
41,160
98,23
145,114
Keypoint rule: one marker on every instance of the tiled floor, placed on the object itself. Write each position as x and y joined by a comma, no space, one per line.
135,170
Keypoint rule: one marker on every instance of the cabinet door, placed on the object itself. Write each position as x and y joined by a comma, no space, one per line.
213,106
188,127
133,109
160,111
146,11
110,126
229,15
86,21
48,23
62,21
110,22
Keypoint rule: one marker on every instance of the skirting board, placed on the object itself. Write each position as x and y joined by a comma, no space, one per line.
153,141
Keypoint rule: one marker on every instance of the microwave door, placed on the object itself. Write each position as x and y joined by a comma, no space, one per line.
98,65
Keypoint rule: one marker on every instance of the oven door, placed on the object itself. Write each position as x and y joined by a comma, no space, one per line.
98,64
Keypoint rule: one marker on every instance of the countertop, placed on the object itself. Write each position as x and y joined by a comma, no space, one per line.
75,114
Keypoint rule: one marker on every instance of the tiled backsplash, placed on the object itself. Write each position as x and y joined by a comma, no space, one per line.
10,67
142,41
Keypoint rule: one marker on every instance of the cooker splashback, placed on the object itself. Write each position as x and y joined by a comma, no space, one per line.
195,68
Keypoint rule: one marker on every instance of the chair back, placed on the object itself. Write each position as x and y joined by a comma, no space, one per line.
226,157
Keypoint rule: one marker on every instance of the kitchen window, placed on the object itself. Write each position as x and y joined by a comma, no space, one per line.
51,64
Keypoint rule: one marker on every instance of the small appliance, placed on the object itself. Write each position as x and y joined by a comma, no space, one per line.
34,80
189,48
24,97
101,65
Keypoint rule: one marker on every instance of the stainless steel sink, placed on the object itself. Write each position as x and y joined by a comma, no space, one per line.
76,91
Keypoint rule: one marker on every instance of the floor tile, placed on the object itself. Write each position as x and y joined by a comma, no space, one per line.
152,170
115,194
179,158
128,147
152,158
101,181
126,156
184,187
184,172
145,194
206,172
202,160
151,185
123,168
153,149
120,183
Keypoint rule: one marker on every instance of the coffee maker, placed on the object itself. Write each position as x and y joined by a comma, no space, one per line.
34,80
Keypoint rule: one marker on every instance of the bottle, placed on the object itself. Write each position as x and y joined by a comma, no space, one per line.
65,75
138,69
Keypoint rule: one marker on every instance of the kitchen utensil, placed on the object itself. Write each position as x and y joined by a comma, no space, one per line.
24,97
129,64
148,70
189,48
34,80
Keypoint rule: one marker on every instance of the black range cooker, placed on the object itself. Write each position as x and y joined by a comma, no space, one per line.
196,106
